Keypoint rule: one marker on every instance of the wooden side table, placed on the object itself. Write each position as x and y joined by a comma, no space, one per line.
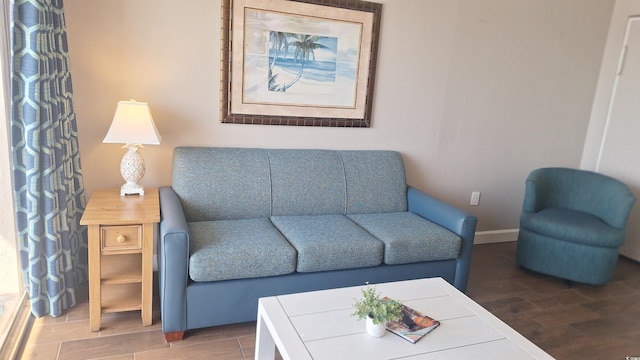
121,252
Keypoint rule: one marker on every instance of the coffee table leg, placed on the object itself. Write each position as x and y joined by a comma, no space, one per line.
265,346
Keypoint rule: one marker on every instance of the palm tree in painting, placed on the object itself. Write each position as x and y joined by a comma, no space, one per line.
305,46
279,44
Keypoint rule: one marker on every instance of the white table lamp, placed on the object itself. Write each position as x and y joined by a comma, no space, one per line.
133,126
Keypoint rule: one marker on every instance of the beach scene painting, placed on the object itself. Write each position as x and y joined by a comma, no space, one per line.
302,59
299,60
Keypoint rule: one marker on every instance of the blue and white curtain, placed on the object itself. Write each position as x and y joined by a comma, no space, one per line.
49,191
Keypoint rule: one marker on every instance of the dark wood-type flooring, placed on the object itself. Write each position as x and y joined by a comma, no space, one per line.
578,322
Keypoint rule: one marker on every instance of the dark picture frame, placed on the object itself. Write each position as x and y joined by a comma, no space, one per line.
312,62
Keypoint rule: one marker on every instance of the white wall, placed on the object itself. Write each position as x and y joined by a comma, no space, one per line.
474,93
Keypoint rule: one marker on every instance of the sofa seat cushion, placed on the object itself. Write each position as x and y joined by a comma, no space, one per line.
238,249
329,242
409,238
574,226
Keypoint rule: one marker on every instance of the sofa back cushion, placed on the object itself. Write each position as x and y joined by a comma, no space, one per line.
307,182
376,181
238,183
222,183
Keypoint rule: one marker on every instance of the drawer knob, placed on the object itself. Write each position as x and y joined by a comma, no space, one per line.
121,238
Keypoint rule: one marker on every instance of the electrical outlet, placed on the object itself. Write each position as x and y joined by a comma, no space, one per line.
475,198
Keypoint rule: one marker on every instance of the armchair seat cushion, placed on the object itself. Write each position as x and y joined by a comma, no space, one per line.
574,226
238,249
329,242
409,238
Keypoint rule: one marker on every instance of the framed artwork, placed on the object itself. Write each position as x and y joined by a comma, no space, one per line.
298,62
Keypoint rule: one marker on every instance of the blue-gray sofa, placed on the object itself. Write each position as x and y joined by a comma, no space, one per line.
239,224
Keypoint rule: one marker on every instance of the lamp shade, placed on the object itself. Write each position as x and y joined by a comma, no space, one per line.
132,124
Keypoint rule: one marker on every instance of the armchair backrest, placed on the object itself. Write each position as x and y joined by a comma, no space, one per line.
581,190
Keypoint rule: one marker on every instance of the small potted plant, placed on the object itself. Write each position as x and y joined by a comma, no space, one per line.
376,310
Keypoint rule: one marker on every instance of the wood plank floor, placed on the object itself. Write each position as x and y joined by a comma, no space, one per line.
580,322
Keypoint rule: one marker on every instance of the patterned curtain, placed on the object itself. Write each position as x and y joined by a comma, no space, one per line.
48,185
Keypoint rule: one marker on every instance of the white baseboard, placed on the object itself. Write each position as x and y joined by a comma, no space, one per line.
496,236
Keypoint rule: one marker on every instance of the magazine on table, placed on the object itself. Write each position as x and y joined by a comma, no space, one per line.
413,325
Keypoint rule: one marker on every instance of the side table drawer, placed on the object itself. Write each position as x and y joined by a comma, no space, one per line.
121,238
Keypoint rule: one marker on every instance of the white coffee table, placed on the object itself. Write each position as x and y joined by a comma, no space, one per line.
317,325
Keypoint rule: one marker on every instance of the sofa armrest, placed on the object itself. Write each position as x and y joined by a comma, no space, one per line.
173,261
451,218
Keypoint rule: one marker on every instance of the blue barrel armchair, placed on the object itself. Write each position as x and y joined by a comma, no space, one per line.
572,224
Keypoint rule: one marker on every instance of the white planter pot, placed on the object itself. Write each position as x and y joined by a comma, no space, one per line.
375,330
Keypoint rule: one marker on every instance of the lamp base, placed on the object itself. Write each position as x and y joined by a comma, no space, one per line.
130,189
132,170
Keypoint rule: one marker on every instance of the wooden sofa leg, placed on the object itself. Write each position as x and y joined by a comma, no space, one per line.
174,336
